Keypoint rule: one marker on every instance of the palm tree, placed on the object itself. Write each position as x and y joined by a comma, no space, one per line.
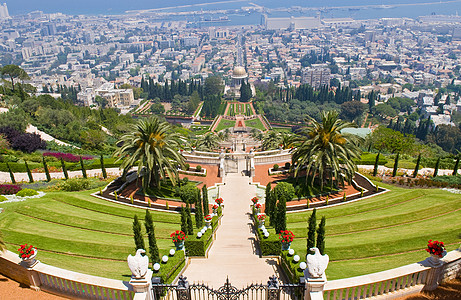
271,140
287,140
208,142
151,144
325,149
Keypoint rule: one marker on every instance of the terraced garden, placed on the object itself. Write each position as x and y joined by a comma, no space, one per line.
385,231
81,233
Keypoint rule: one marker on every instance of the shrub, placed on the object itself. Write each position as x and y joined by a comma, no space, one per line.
9,133
2,198
66,156
75,184
198,168
27,192
287,165
188,193
275,167
186,167
9,189
4,144
28,142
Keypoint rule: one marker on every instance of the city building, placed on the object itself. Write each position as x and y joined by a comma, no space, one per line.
316,77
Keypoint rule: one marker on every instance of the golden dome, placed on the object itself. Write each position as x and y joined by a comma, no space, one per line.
239,72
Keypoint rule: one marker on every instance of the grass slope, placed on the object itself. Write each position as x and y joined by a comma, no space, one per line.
81,233
383,232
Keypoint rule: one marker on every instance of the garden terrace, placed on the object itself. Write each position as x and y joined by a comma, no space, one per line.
81,233
382,232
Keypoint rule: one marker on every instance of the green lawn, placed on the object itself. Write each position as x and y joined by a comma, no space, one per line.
255,123
383,232
75,231
223,124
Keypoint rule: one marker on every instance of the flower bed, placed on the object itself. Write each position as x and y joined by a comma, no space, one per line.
67,156
9,189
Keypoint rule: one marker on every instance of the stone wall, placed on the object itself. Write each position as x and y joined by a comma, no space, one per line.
452,270
9,266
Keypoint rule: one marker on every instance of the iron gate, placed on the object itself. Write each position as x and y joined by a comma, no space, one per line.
273,290
231,165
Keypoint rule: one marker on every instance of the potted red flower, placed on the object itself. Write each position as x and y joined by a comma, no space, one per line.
436,249
254,200
257,207
286,237
215,208
208,219
28,253
219,201
178,238
261,219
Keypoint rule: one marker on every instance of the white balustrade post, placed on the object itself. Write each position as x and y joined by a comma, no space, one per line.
34,278
143,287
434,275
314,288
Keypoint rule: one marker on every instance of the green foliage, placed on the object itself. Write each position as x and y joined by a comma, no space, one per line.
75,184
321,236
29,173
312,227
451,180
183,220
275,167
198,168
415,172
198,210
47,172
64,169
190,227
137,234
270,245
188,193
386,139
150,230
26,193
2,198
206,208
13,180
103,168
83,168
284,191
396,165
291,268
198,246
436,169
455,168
375,168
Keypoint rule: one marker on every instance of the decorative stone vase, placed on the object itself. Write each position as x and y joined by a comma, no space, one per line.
179,245
435,260
31,261
286,246
257,211
261,223
215,211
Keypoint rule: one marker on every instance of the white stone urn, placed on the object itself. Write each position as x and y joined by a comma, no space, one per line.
31,261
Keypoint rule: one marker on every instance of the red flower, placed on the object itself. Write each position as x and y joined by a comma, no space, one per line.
255,200
257,205
435,248
178,236
215,206
26,251
219,201
261,217
208,217
286,236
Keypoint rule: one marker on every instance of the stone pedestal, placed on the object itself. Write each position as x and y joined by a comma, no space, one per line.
314,288
34,279
143,287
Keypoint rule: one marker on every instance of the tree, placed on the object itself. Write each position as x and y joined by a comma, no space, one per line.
190,227
321,236
396,165
137,234
213,86
418,161
150,230
436,169
151,145
82,165
13,72
45,167
455,169
311,231
13,180
352,109
29,173
386,139
183,220
271,140
384,110
103,168
208,143
206,208
325,150
198,210
375,168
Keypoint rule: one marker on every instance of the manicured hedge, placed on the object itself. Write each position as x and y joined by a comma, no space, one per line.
369,159
168,271
291,268
93,164
270,245
198,246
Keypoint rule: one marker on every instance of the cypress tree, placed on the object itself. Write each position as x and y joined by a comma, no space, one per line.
103,168
396,165
137,233
321,236
375,169
83,168
268,195
29,173
198,211
190,227
206,208
436,169
281,223
455,169
150,230
183,220
273,209
418,161
311,231
13,181
47,172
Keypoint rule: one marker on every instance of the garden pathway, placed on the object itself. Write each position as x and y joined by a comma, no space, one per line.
233,253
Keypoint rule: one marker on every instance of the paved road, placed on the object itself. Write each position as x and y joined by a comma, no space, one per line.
233,253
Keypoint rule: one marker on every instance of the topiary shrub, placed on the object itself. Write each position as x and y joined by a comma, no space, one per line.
198,168
2,198
287,165
74,184
27,192
275,167
186,167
